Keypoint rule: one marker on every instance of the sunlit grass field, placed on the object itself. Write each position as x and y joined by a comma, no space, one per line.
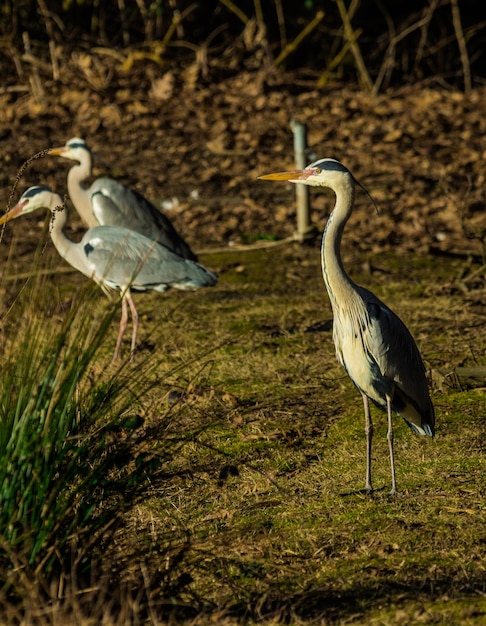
213,478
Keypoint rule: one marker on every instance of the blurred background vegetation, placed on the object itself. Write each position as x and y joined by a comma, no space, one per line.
377,43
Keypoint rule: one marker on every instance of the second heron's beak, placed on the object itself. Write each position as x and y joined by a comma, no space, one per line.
57,151
13,213
293,175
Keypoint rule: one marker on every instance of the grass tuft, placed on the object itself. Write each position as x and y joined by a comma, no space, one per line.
77,452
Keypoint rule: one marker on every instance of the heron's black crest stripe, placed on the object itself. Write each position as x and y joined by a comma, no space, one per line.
330,165
33,191
77,144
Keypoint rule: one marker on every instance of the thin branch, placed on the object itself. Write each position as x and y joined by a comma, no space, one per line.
124,24
389,57
258,12
461,42
234,9
293,45
34,79
363,76
386,67
336,60
424,24
281,23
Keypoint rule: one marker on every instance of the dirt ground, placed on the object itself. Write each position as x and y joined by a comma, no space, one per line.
195,144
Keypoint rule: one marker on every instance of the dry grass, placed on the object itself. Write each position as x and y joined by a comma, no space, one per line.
255,522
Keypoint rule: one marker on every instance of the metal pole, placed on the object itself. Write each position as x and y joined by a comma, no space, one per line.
305,230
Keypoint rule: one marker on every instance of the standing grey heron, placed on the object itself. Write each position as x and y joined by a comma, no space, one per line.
372,344
116,205
116,258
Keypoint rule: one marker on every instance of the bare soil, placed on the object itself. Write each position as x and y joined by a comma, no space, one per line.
196,146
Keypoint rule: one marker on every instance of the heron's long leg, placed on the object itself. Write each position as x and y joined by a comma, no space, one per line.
390,445
134,320
369,440
123,326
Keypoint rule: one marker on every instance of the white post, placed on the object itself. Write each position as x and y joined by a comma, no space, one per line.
305,230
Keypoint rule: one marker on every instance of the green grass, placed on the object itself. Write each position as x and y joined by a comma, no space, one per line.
77,447
250,517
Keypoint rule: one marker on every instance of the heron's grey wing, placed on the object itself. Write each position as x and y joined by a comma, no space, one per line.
116,205
394,350
119,257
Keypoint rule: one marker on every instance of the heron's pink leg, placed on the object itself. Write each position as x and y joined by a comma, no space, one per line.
369,440
123,326
390,445
134,320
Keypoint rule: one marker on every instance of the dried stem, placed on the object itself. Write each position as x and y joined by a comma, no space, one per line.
34,78
54,60
176,22
350,36
461,42
293,45
234,9
336,60
145,17
423,24
281,23
258,12
389,57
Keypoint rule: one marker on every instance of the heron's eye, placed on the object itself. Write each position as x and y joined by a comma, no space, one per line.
317,170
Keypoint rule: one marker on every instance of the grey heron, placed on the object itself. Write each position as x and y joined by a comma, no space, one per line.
114,257
372,343
116,205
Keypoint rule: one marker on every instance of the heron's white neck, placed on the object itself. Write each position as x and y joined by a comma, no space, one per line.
68,249
338,283
79,190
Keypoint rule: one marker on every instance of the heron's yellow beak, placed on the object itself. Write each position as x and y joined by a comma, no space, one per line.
293,175
13,213
57,151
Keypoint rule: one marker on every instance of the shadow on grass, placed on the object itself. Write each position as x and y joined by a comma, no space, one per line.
332,605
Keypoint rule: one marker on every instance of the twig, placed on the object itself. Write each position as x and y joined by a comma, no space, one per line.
461,42
177,19
51,35
34,78
293,45
363,76
424,23
124,25
145,17
281,23
471,372
258,12
54,61
234,9
336,61
47,19
389,57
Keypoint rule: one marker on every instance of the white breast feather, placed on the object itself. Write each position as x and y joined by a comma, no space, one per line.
359,343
